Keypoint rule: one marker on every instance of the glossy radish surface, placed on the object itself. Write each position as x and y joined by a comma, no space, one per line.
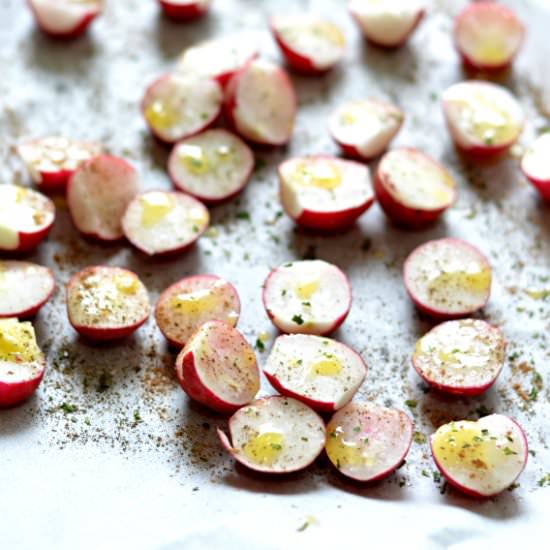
186,305
163,222
276,435
217,367
24,288
368,442
185,10
364,128
106,303
480,458
460,357
320,372
536,165
309,297
213,166
448,278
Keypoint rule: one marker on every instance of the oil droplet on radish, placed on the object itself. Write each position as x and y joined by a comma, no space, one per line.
17,341
323,175
306,289
162,115
345,452
330,32
474,279
194,303
194,158
264,448
327,367
491,48
155,207
127,284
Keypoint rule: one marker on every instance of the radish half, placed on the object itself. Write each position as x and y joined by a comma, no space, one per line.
98,194
325,193
26,218
260,103
186,305
176,106
488,35
483,118
185,10
51,161
309,297
275,435
536,165
24,288
217,367
22,364
320,372
460,357
480,458
413,189
213,166
164,222
448,278
106,303
367,442
364,128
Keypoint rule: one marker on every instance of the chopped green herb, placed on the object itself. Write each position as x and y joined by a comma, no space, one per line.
298,319
507,451
544,481
436,476
67,408
357,429
419,438
276,446
304,439
243,215
485,431
425,473
260,346
411,403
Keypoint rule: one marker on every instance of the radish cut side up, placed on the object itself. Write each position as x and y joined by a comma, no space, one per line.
309,297
276,435
213,166
481,458
320,372
536,165
185,10
218,368
367,442
460,357
184,306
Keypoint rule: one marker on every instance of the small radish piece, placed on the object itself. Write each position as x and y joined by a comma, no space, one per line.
320,372
98,194
325,193
484,119
22,363
367,442
213,166
488,35
164,223
448,278
260,103
185,10
275,435
310,44
481,458
387,23
51,161
412,188
536,165
24,288
186,305
217,367
364,128
308,297
176,106
460,357
65,19
26,218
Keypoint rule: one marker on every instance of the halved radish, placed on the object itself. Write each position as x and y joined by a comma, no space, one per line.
98,194
164,222
387,23
368,442
65,19
309,43
536,165
24,288
460,357
448,278
325,193
185,10
22,364
217,367
483,118
364,128
51,161
309,297
213,166
323,373
26,218
106,303
184,306
176,106
480,458
275,435
260,103
412,188
487,35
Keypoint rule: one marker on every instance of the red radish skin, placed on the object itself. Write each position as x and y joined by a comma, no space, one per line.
184,10
535,165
